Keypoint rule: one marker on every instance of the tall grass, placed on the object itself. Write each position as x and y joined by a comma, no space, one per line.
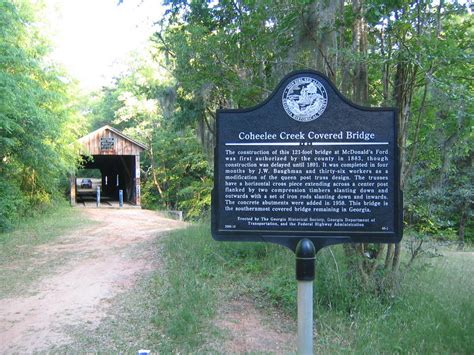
433,312
187,302
38,229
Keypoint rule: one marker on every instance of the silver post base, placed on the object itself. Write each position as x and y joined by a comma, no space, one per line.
305,317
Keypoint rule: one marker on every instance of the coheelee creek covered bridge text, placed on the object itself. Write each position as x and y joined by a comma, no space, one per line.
118,159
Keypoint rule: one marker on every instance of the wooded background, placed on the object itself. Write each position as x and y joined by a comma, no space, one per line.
416,56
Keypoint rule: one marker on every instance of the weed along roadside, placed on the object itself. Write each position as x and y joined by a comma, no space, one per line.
315,170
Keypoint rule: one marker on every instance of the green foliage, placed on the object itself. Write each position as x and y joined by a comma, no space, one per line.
418,58
182,172
433,42
222,54
12,203
89,173
35,116
176,175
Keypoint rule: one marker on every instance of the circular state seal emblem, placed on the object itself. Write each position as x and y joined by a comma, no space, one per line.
305,99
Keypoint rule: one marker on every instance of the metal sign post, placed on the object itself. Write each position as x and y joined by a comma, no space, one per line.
98,196
305,257
307,169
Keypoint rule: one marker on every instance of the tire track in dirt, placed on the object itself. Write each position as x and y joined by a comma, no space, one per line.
102,265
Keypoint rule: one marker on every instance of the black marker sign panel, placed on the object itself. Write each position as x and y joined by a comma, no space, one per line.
307,163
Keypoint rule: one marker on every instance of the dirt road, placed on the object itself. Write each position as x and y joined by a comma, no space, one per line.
101,260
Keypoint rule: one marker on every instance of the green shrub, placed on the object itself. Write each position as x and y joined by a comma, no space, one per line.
12,204
180,177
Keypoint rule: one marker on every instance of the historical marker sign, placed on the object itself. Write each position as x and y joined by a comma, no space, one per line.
307,163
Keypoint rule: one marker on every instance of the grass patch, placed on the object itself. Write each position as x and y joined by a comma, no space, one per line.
202,275
172,310
189,285
433,312
38,230
18,259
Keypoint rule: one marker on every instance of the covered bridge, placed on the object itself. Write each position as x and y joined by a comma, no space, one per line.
117,157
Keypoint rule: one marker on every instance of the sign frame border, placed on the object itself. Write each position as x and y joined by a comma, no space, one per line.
319,239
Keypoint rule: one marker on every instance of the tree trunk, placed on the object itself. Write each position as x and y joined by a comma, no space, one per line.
153,172
462,226
359,49
389,256
386,52
396,258
316,38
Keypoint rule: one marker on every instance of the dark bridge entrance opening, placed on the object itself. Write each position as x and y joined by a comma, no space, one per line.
117,158
118,173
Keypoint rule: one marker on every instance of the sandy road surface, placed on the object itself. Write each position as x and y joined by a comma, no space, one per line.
103,263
